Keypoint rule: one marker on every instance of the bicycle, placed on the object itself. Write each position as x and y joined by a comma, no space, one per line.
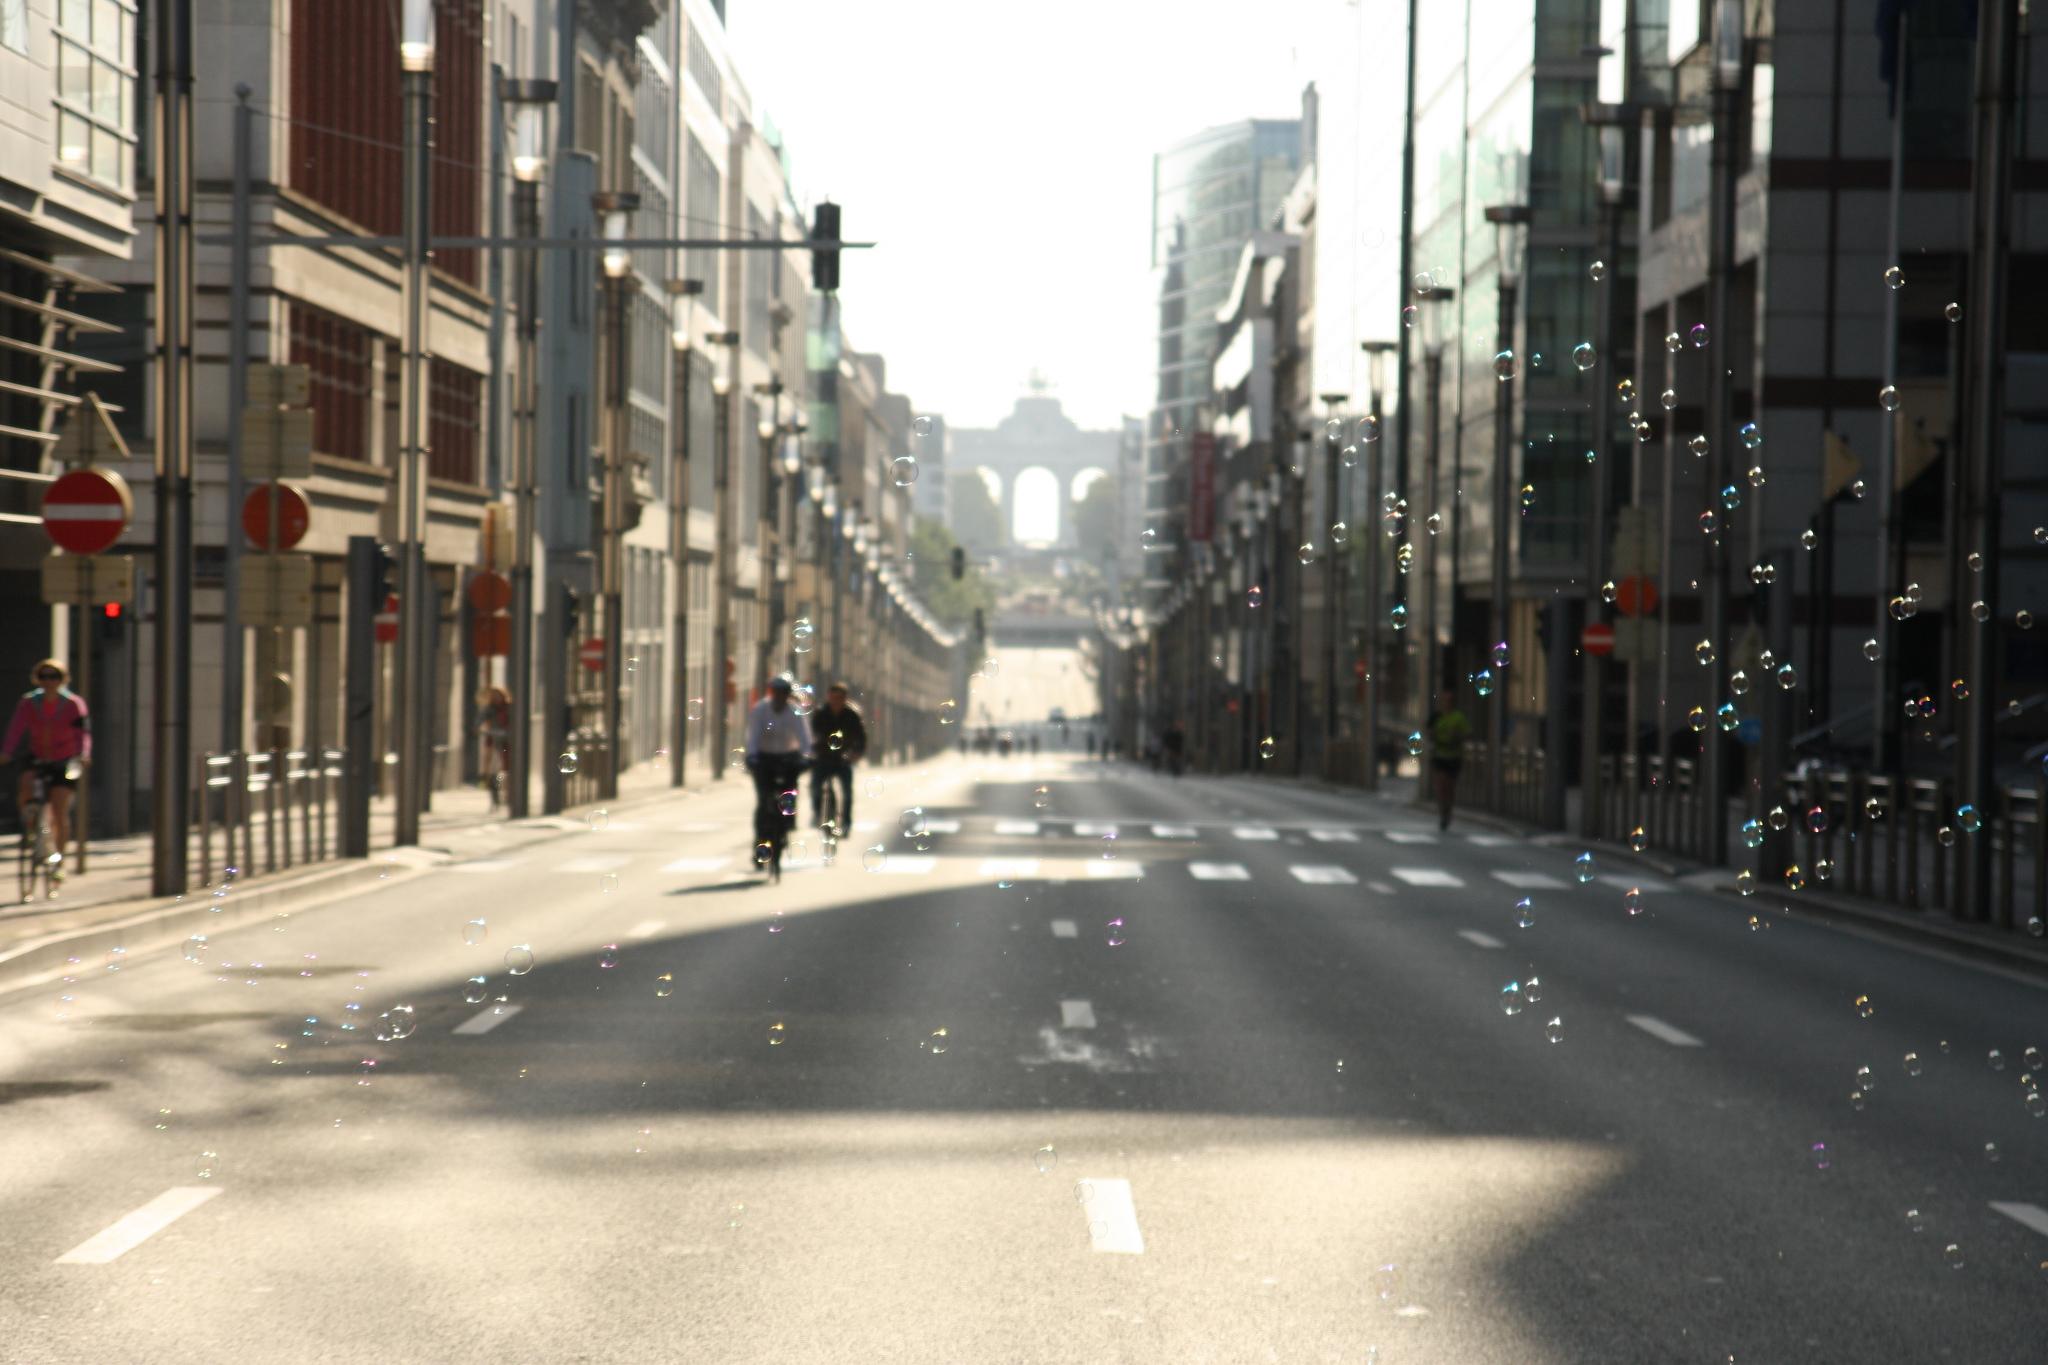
38,862
778,780
828,819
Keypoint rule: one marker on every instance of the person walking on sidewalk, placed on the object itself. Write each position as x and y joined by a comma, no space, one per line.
1448,731
54,721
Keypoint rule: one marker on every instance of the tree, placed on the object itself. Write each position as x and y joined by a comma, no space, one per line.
1094,514
952,600
977,521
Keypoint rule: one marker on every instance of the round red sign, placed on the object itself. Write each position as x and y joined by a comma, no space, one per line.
294,515
386,621
1598,638
592,654
86,510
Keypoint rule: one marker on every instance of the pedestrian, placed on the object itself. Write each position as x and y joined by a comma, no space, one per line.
58,728
1448,731
494,728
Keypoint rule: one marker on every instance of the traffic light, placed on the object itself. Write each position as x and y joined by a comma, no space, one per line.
386,564
825,259
959,563
572,602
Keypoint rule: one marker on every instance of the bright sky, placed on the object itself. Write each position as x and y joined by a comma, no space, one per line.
1002,157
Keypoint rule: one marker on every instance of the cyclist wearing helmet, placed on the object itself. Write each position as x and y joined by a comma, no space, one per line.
54,721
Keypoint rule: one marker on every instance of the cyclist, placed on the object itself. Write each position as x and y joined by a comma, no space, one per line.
54,721
840,738
1448,731
778,739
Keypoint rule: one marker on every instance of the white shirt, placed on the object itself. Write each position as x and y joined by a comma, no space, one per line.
772,731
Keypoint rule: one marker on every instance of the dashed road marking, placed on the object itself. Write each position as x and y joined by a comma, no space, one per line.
942,826
1641,883
695,865
1112,1217
907,865
131,1230
1065,928
596,862
1009,869
1076,1014
1409,836
1425,876
488,1019
1479,940
1529,881
1657,1028
1016,827
483,865
2026,1215
1094,829
1173,831
1219,872
1323,875
1379,888
1491,840
1334,836
1256,833
646,928
1101,868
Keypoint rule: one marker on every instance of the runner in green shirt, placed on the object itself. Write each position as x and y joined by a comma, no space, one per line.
1448,731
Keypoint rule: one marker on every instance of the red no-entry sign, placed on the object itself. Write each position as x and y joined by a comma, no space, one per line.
1597,638
490,592
387,620
1636,596
86,510
294,515
592,654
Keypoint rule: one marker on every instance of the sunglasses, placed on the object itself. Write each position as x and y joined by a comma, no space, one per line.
49,675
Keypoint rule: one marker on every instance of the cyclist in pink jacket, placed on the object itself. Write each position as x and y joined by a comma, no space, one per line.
58,729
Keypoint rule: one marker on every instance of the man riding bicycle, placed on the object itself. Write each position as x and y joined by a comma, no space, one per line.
778,741
840,738
58,728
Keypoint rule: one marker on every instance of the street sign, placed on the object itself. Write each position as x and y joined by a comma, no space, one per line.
86,510
89,436
277,443
279,386
386,621
1597,638
592,654
294,514
88,580
490,637
1635,596
277,590
490,592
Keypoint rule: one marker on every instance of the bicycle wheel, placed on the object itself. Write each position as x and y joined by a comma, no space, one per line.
32,852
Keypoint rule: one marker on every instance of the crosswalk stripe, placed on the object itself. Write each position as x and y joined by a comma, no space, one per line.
1641,883
1219,872
1658,1029
1491,840
484,865
1408,836
1076,1014
695,865
1256,833
1094,829
1064,928
488,1019
2026,1215
942,826
133,1229
1379,888
1016,827
1129,871
1173,831
1324,875
1009,867
1480,940
595,862
1334,836
1112,1217
905,865
1529,881
1426,876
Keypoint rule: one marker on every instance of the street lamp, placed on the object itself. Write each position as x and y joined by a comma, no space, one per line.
1433,344
682,331
614,208
416,66
1728,63
1510,222
528,101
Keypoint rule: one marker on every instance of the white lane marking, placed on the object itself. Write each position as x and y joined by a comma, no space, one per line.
1657,1028
906,865
1324,875
1529,881
867,826
1016,827
482,865
488,1020
1380,888
1010,868
1334,836
1127,871
695,865
1076,1014
1094,829
1479,940
1112,1217
1425,876
1256,833
646,928
1064,928
2026,1215
1219,872
1408,836
1173,831
942,826
1644,883
1491,840
131,1230
596,862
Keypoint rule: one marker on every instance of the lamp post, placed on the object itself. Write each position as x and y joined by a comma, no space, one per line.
1727,77
528,100
722,550
1375,352
1430,629
614,208
413,686
1333,567
1610,121
1510,222
685,293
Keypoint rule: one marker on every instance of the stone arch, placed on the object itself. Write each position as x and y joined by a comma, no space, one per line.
1037,514
1079,483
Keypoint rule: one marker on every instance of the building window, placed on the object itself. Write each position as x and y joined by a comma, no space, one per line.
14,24
96,90
336,354
454,408
703,216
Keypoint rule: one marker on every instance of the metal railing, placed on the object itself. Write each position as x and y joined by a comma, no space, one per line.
1521,784
270,810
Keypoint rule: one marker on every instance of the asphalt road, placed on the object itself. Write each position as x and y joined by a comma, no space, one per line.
1241,1083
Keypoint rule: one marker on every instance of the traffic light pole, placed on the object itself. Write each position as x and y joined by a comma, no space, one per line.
413,726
